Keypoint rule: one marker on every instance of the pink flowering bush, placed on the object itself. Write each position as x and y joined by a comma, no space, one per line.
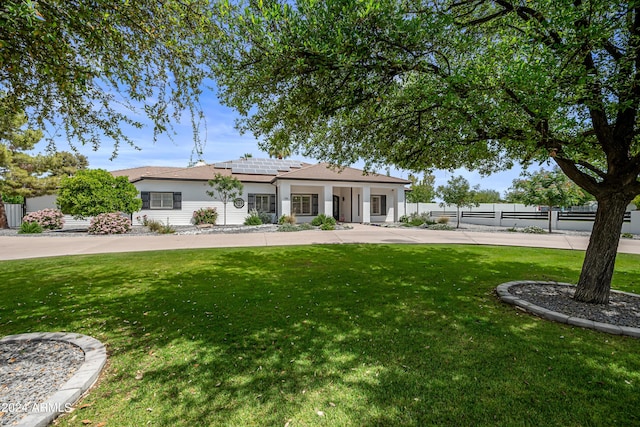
109,223
205,216
48,219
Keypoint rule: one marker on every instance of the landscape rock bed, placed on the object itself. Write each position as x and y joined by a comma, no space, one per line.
623,308
32,371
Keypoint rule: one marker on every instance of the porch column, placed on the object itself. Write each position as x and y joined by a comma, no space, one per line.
284,202
328,200
366,204
400,204
391,207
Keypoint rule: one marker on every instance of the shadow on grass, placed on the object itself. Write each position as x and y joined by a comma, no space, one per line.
335,335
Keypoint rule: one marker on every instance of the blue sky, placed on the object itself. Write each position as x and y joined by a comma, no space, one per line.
224,142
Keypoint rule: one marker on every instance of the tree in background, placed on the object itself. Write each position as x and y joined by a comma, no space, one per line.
457,193
23,174
225,188
422,190
90,67
95,191
417,85
486,195
547,188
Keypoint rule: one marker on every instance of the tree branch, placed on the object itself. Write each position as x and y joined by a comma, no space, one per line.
592,168
526,14
488,18
518,101
613,51
626,117
583,180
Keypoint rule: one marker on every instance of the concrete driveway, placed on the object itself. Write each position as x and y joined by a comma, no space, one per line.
34,246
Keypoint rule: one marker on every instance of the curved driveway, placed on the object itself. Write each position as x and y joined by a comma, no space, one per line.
18,247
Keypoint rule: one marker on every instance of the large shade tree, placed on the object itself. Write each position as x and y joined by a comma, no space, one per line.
91,69
469,83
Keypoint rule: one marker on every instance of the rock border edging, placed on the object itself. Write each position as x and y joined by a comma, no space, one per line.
95,357
506,296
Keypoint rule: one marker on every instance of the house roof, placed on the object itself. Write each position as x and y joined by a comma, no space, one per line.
326,172
257,170
136,174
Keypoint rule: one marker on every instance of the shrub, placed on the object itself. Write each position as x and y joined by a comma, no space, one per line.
286,227
443,220
265,217
532,229
253,218
167,229
287,219
48,219
30,228
154,225
417,220
404,219
327,226
439,227
205,216
109,223
627,235
323,219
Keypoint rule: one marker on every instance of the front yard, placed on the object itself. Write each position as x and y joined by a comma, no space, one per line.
327,335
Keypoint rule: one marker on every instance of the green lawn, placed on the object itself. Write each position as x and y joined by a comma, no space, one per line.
328,335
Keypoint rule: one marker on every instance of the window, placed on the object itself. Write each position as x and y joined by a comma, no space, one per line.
301,204
262,202
378,205
304,204
161,200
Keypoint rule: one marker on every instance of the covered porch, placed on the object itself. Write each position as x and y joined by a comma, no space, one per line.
346,202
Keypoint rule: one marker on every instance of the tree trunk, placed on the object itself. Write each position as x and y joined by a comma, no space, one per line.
597,270
550,210
225,212
458,216
4,222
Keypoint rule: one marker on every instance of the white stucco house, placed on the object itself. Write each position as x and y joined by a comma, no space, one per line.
276,186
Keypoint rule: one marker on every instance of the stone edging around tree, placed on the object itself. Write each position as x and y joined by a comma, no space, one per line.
95,357
506,296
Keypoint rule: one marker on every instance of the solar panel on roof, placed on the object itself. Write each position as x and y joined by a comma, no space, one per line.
223,165
253,166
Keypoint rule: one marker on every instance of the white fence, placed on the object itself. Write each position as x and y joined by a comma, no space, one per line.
513,215
435,208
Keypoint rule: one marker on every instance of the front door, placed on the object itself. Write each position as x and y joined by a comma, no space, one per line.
336,207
